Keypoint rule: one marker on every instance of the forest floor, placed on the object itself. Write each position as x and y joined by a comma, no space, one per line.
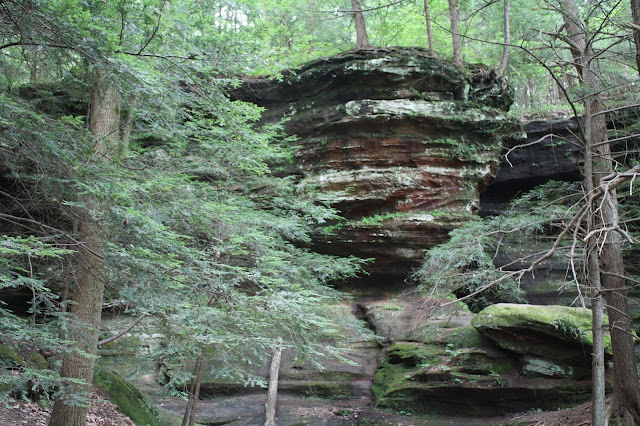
293,410
25,413
104,413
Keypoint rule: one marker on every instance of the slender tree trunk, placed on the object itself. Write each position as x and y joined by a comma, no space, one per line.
635,17
362,39
455,34
88,289
625,381
625,373
504,61
427,17
189,418
33,68
270,406
598,409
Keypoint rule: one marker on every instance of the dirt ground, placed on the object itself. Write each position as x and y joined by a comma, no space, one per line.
104,413
101,413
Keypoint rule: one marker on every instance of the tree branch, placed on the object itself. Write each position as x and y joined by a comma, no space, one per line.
123,332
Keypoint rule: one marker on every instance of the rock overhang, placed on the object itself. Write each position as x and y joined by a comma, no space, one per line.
391,133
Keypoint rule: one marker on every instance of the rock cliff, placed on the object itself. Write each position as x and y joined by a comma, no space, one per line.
402,144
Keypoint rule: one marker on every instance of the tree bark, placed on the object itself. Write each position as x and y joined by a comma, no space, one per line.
635,17
362,39
427,17
455,34
625,381
88,288
504,61
126,126
270,406
598,389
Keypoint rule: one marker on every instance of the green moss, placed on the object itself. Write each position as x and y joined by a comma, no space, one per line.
129,399
485,362
10,355
405,362
465,337
390,307
30,360
412,354
572,323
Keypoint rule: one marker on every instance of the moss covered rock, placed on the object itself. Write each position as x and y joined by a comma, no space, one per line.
423,378
553,332
461,369
9,356
126,396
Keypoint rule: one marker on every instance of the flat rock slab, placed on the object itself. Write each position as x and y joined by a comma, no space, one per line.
249,410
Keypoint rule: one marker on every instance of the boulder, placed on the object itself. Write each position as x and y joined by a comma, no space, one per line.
127,397
555,332
507,358
464,373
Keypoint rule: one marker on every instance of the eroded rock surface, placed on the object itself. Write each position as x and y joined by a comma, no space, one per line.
507,358
402,144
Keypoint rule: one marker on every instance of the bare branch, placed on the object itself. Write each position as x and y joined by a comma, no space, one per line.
123,332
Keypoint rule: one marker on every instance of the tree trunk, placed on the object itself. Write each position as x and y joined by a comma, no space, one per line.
125,130
270,406
189,417
455,34
598,408
635,17
88,289
427,17
625,374
33,68
625,380
362,39
504,61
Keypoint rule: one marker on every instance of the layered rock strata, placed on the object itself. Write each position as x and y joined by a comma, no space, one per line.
506,358
402,144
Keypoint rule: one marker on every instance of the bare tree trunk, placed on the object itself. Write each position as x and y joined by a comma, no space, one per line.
504,61
86,310
625,381
625,373
598,409
362,39
635,17
598,391
427,17
189,418
270,406
455,34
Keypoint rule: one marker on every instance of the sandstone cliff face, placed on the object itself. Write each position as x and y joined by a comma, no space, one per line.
402,144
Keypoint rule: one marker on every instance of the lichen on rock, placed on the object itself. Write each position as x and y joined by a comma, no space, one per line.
387,132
